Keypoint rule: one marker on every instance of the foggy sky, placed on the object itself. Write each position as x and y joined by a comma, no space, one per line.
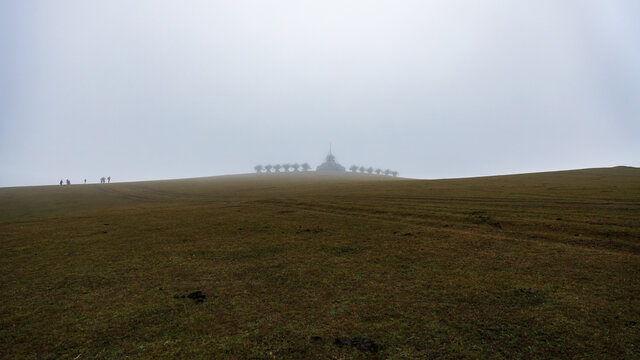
171,89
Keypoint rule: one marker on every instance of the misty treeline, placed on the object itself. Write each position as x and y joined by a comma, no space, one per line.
285,167
370,170
305,167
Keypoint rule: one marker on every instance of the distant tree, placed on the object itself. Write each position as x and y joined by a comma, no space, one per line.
378,171
387,172
394,173
258,168
353,168
268,168
295,167
370,170
305,167
277,167
286,167
362,169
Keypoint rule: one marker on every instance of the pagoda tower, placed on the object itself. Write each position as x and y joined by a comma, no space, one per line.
330,164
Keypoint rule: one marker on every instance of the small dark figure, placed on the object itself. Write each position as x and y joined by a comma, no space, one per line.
109,179
85,181
60,182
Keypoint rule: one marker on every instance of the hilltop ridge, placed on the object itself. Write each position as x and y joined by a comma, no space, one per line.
55,200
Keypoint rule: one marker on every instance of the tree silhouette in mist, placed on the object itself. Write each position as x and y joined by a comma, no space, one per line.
295,167
258,168
286,167
277,167
305,167
353,168
378,171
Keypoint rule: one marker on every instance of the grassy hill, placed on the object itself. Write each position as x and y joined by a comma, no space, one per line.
313,265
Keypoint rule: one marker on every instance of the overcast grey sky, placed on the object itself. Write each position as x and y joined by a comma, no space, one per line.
169,89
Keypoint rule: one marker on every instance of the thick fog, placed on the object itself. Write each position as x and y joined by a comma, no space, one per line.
157,89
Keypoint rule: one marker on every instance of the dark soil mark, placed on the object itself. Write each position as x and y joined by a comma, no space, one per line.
525,297
315,230
341,250
361,343
196,296
528,291
480,217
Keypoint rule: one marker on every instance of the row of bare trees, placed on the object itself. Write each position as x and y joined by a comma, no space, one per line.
370,170
285,167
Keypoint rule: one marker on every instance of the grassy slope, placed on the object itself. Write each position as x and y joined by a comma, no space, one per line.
523,266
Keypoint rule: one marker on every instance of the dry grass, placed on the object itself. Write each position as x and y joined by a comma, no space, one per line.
525,266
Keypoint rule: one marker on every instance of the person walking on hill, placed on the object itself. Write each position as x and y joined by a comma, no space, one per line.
109,179
68,182
85,181
60,182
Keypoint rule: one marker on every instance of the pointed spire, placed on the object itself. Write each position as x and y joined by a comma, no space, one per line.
330,163
330,157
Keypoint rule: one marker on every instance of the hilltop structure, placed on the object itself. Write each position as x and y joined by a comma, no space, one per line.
330,164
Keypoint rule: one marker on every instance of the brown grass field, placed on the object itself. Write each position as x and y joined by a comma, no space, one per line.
317,266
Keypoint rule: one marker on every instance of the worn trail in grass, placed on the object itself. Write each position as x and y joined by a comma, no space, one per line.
319,266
